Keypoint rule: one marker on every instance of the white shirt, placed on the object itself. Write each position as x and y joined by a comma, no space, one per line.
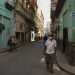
50,46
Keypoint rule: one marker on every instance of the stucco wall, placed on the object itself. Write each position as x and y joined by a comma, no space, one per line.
65,20
7,20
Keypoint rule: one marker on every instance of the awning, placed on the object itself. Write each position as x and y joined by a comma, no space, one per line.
2,27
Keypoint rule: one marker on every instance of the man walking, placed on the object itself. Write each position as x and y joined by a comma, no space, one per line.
49,51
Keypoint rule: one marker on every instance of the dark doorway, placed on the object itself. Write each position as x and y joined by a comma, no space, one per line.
65,38
22,37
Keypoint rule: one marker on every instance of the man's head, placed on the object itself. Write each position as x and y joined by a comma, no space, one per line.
50,36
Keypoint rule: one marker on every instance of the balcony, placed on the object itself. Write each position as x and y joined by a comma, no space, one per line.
9,5
24,13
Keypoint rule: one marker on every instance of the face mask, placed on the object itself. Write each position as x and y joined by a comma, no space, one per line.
50,38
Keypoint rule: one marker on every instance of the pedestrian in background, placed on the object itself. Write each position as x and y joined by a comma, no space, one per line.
14,42
50,51
45,38
9,44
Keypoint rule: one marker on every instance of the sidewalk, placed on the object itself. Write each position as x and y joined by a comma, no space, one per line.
6,49
63,63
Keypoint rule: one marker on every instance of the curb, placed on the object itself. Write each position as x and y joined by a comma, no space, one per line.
62,68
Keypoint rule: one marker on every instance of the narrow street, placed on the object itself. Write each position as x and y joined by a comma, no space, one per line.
26,61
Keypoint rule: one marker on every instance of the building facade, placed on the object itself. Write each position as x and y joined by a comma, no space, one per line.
6,21
39,20
48,27
53,9
24,20
17,18
65,15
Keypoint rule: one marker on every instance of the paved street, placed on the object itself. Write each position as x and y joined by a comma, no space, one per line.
26,61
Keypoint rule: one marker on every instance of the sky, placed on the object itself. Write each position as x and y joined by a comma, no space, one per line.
45,7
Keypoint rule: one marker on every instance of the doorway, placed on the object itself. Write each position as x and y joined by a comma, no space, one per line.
65,38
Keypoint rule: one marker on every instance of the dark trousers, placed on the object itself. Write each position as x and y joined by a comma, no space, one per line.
14,47
10,48
50,61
